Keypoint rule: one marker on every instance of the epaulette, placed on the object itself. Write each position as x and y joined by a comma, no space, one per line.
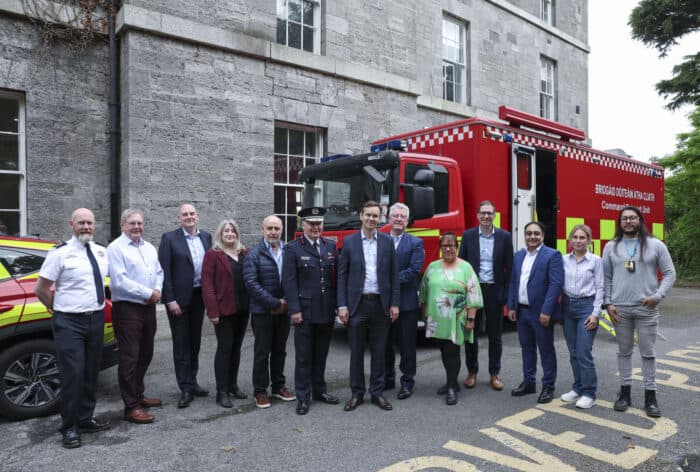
60,245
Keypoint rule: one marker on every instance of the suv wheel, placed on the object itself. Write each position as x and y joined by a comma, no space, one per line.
29,380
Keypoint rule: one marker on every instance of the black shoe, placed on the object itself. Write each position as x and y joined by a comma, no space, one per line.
237,393
223,399
327,398
525,388
382,403
186,398
451,398
624,400
546,396
92,426
443,390
651,407
404,393
200,391
71,438
302,407
353,403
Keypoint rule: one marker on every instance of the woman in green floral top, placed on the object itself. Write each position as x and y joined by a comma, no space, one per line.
449,296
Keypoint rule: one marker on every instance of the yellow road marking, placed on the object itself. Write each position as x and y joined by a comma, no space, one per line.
675,379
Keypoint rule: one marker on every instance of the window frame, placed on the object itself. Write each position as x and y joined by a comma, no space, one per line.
547,11
282,7
319,142
21,159
548,88
460,91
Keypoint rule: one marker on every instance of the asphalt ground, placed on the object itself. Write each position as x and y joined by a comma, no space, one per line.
486,430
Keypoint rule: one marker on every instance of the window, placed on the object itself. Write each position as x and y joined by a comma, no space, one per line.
547,88
295,148
20,263
298,24
12,179
440,184
547,11
454,62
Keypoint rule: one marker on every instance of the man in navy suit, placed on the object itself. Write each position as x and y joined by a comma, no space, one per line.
533,298
368,299
410,256
181,253
309,286
489,250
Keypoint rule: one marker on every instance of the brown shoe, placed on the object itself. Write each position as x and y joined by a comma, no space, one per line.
284,395
470,381
496,383
262,400
138,416
150,402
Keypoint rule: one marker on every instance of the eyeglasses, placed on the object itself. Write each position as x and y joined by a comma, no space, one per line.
629,218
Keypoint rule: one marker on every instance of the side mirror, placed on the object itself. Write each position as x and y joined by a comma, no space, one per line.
421,201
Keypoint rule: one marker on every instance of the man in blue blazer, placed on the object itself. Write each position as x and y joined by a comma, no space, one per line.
489,250
368,299
533,298
181,253
410,256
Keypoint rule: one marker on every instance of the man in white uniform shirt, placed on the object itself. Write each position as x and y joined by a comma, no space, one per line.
136,282
78,268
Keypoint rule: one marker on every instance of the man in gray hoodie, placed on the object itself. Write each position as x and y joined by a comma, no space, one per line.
632,294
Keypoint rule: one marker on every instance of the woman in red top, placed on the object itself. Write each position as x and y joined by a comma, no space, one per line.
226,300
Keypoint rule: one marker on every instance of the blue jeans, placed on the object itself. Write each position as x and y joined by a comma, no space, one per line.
580,344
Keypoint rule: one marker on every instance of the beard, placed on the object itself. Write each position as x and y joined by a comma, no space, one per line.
84,238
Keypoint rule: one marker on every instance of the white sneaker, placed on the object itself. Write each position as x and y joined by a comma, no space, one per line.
569,397
585,402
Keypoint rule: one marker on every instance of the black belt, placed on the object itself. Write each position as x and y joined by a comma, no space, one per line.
520,305
82,313
370,296
578,299
487,284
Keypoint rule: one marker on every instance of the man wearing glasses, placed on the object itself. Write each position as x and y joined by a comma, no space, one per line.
410,256
533,298
632,295
489,250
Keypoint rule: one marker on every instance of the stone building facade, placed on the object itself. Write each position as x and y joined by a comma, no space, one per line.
223,101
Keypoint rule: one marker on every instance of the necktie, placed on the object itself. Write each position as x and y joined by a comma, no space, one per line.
317,247
96,274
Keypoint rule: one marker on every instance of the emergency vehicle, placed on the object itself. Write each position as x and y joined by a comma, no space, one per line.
529,167
29,380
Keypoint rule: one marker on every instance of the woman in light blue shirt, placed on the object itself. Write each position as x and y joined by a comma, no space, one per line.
581,304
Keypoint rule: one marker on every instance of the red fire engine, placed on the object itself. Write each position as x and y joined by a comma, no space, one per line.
531,168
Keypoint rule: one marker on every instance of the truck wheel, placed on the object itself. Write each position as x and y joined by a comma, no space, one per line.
29,380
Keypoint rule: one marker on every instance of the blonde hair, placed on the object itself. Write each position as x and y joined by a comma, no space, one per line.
585,228
218,242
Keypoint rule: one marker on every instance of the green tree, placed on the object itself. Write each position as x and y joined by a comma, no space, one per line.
683,201
659,24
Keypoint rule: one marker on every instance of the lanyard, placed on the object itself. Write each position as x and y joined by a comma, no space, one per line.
634,248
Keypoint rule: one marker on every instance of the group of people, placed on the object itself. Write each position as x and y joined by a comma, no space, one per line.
374,285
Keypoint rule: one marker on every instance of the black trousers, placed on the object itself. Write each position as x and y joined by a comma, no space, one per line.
493,311
370,317
78,339
451,361
135,327
402,334
270,350
187,336
311,344
230,331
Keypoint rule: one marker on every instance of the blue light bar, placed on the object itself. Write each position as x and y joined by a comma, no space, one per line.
395,145
333,157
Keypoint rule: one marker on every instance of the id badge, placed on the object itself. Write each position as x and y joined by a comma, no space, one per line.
629,265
